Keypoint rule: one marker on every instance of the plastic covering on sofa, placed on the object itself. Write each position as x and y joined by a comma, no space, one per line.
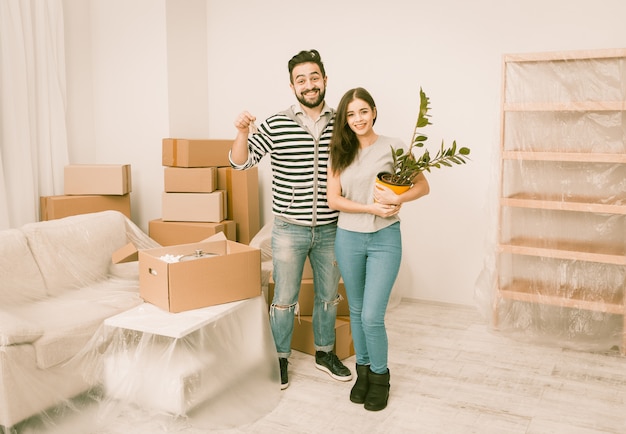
57,286
81,352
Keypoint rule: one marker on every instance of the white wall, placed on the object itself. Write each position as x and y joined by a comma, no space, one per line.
450,48
126,58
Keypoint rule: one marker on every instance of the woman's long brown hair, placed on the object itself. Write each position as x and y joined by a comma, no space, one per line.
344,144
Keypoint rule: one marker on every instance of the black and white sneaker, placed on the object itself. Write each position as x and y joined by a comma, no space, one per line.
284,377
330,363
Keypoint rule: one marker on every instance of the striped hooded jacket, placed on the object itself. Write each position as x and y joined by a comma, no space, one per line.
299,168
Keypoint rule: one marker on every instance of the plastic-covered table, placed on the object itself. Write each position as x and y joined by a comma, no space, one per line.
216,366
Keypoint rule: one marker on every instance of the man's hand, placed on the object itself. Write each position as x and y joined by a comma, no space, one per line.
244,121
239,150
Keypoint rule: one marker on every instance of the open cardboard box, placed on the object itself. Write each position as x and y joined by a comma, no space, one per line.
230,272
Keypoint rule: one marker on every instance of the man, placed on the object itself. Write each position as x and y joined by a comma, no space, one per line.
297,140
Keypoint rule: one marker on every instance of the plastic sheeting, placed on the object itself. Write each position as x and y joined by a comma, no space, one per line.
57,285
62,370
216,367
558,272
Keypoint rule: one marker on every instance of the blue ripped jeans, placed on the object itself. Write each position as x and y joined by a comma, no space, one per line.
291,244
369,264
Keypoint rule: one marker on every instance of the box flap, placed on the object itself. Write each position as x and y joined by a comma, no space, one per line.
220,236
128,253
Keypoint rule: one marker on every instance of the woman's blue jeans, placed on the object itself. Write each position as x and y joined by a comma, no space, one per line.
369,264
291,244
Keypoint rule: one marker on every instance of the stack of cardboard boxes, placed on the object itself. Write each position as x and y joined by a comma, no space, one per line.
90,188
204,195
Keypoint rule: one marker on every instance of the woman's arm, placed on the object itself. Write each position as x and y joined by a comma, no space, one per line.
338,202
419,188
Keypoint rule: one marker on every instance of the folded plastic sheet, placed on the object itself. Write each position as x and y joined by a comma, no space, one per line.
557,273
57,288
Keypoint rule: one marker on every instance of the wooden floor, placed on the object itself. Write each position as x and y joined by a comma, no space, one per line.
450,374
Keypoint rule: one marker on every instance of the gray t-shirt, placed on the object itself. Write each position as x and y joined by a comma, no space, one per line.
357,184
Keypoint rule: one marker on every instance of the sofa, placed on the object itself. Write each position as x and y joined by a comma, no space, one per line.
57,286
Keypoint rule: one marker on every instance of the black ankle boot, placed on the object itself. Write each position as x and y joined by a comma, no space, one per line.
378,392
359,390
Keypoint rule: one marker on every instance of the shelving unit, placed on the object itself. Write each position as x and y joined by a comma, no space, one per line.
562,207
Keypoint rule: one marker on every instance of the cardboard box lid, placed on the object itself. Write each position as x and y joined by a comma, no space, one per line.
168,233
130,253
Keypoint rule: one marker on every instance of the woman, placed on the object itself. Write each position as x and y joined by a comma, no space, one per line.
368,246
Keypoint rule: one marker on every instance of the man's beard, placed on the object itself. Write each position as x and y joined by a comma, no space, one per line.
320,98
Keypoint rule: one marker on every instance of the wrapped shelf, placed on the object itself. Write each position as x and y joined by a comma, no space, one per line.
560,258
569,203
577,298
566,249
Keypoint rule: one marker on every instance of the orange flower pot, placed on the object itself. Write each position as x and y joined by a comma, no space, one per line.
397,189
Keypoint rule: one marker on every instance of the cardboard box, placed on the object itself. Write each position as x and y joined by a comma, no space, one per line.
303,339
172,233
194,207
97,179
190,179
196,152
234,273
242,187
307,271
56,207
306,297
128,253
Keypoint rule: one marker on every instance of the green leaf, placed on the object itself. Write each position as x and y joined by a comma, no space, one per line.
408,165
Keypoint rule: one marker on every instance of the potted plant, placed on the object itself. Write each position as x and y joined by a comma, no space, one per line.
406,166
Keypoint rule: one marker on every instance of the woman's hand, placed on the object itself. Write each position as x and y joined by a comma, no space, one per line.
384,210
385,195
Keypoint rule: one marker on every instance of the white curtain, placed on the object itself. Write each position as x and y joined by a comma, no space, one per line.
33,138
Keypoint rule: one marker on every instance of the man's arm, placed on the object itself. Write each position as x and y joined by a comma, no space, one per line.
239,149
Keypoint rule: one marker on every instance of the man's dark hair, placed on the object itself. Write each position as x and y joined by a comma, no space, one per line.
306,56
